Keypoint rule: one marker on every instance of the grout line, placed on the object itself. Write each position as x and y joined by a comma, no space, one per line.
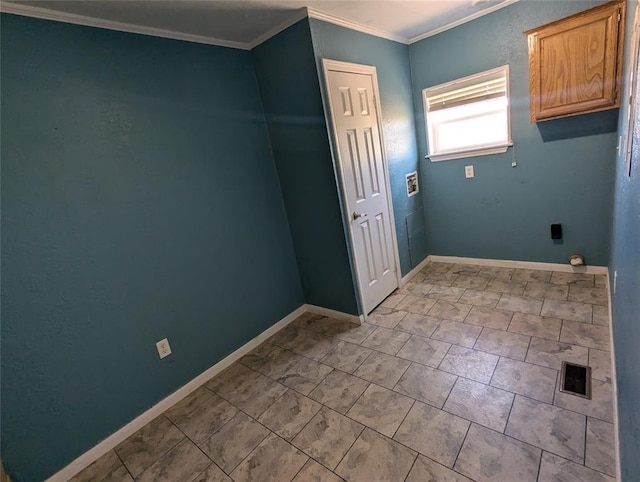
127,468
403,419
539,466
462,445
513,402
418,454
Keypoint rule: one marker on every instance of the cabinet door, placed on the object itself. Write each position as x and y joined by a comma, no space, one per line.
574,63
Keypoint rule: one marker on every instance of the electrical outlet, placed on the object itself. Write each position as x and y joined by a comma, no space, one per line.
468,171
163,347
615,281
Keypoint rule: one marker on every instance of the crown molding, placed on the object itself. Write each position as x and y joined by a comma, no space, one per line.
295,17
299,14
47,14
457,23
326,17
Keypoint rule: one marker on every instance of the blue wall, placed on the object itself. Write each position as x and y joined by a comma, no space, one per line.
625,260
565,167
291,97
140,201
391,60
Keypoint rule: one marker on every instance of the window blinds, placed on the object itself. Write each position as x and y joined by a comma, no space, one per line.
449,96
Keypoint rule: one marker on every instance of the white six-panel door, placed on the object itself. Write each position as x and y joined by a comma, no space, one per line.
357,131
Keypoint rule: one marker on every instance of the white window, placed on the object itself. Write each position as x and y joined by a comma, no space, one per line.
469,116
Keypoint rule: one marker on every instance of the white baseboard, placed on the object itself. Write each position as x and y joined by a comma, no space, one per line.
338,315
614,388
405,279
137,423
505,263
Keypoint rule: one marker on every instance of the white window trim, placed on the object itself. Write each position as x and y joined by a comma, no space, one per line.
477,151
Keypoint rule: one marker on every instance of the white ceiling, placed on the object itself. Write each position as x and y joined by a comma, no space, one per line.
245,23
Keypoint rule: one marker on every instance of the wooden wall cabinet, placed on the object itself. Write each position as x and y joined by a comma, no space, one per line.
575,64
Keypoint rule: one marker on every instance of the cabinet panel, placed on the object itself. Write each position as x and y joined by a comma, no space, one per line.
575,63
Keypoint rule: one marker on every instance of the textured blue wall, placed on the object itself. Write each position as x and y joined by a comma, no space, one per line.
140,201
290,93
625,302
565,167
391,60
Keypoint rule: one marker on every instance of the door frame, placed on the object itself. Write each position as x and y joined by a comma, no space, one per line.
348,67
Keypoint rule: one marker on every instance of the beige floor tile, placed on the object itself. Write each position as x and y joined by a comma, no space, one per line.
234,441
426,384
346,356
573,279
415,304
206,419
183,462
600,363
506,286
600,406
107,468
386,341
143,448
381,409
339,390
551,428
423,350
386,320
445,293
528,275
538,326
480,403
469,363
314,472
289,414
450,311
601,315
532,381
433,432
551,354
465,269
375,457
426,470
489,456
471,282
274,460
305,375
558,469
488,299
600,450
568,310
482,316
277,362
213,474
596,296
458,333
545,290
496,272
328,436
382,369
503,343
418,324
523,304
585,334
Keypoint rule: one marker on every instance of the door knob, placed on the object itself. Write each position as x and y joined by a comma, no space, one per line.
357,215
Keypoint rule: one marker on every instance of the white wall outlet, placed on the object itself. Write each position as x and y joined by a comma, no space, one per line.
615,281
468,171
163,347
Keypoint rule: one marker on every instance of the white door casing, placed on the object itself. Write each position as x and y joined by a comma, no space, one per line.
352,94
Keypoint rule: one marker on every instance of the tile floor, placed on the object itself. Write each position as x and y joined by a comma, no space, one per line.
453,378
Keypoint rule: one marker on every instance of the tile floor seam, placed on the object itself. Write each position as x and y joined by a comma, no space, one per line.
403,418
125,465
171,448
411,468
364,427
513,402
445,356
461,445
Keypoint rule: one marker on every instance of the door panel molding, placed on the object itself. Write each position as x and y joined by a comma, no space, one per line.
356,100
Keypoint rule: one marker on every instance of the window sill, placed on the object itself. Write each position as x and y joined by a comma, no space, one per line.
472,153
